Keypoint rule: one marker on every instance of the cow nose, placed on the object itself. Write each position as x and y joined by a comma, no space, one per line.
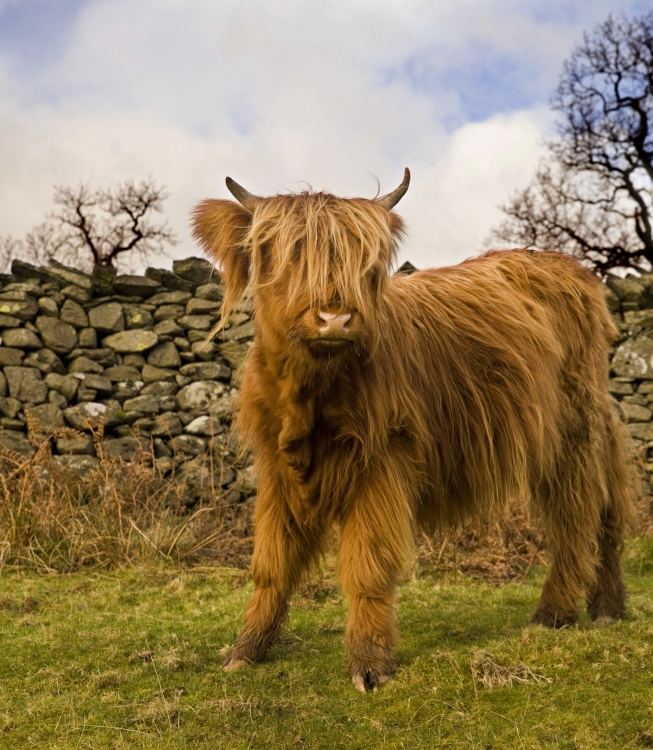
333,323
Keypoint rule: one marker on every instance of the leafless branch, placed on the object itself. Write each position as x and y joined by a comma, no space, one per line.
592,195
103,227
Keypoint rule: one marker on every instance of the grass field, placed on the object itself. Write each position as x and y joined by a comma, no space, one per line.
131,659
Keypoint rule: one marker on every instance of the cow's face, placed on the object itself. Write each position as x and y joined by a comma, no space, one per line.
317,265
322,264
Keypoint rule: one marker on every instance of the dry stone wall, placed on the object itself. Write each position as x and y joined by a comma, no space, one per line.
631,367
121,362
118,365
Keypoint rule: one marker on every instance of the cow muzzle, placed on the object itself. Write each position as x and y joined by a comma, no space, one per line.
334,325
330,331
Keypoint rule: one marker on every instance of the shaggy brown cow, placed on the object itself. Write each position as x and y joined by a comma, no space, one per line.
385,403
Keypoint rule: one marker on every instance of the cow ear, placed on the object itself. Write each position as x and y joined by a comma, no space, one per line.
221,229
397,226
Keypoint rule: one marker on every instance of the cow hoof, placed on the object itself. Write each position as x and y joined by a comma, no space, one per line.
366,682
553,619
602,620
232,663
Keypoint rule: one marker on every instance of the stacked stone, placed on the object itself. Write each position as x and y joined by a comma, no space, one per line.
123,354
631,377
125,357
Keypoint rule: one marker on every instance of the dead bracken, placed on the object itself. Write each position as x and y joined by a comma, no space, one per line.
493,675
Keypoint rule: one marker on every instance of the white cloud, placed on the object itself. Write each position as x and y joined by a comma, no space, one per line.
329,93
457,197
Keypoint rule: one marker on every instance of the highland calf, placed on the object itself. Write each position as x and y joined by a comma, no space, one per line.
386,403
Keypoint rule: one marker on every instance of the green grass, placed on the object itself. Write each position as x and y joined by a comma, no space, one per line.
131,659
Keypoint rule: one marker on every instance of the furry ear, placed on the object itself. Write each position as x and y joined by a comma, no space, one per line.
221,229
397,226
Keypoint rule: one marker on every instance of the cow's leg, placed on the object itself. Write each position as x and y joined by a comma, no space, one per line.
375,540
571,502
607,598
586,504
281,553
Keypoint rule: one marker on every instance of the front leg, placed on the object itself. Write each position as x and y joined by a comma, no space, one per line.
282,551
296,451
294,438
375,544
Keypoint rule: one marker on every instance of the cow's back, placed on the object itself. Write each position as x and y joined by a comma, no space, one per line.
504,350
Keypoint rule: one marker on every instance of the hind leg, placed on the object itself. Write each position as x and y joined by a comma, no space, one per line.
570,503
586,506
570,574
563,587
606,599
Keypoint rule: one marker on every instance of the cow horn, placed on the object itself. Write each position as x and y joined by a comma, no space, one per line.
391,199
244,197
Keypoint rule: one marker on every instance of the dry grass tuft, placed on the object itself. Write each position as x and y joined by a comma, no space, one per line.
57,518
237,704
110,678
161,709
493,675
504,550
171,661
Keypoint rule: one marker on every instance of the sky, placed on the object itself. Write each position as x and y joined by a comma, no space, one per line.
336,94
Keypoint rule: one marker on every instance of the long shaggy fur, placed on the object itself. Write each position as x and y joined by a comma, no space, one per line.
463,387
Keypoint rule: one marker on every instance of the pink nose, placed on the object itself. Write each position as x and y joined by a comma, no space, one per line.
333,323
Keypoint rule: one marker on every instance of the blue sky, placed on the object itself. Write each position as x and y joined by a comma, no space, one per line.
35,32
334,93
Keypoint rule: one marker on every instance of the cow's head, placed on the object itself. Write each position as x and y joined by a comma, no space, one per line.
317,265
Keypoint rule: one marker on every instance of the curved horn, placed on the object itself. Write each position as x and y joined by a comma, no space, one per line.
391,199
244,197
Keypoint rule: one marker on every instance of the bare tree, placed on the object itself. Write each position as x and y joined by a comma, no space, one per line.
99,227
10,248
592,195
